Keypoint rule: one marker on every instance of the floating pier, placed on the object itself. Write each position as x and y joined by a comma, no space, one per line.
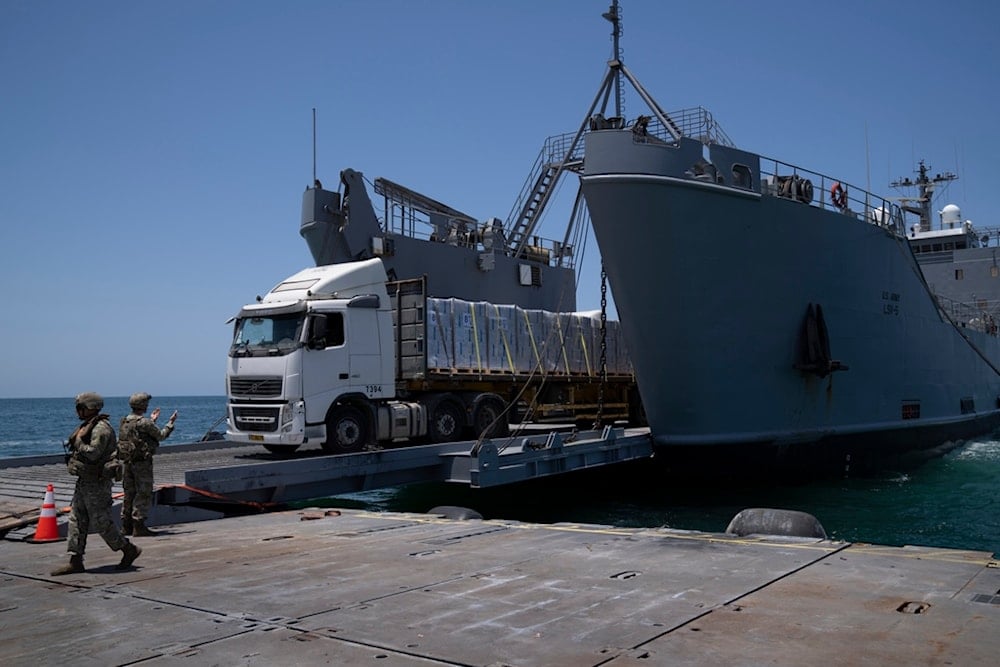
350,587
219,475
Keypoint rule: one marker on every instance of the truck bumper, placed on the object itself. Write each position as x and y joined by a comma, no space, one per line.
267,424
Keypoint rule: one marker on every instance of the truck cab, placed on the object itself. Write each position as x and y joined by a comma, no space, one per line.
316,346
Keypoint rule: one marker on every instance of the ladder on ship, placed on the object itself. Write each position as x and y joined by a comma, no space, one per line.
565,152
557,156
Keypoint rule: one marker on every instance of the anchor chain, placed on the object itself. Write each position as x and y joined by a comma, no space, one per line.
604,347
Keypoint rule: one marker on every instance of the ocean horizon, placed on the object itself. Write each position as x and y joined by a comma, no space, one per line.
39,426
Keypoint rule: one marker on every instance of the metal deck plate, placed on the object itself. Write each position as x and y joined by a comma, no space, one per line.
311,586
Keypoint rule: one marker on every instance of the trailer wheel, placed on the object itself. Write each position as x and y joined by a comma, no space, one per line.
488,419
346,430
445,424
283,450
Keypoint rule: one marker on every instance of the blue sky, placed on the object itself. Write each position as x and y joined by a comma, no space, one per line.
153,154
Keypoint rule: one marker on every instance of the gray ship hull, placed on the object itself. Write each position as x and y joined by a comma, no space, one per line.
712,282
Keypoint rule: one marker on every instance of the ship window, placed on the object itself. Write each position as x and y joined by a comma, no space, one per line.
959,274
911,411
960,245
949,246
936,247
995,271
916,249
926,247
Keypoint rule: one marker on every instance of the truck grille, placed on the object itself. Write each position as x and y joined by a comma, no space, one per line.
251,386
256,419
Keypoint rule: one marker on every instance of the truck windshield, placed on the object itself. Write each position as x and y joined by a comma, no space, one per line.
267,336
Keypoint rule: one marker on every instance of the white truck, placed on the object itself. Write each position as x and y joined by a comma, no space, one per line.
338,355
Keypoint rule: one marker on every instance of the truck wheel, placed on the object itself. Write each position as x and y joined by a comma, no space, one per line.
445,424
346,431
489,414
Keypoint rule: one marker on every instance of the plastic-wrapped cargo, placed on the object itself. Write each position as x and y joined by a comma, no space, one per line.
481,337
439,340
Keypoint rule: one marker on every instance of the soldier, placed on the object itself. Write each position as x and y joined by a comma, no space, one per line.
138,440
92,462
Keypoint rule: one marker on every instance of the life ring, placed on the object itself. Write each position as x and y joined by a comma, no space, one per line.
838,195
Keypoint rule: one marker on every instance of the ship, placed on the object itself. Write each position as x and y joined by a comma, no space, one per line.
777,317
958,259
461,257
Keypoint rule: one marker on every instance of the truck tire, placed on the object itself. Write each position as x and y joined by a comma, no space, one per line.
346,430
488,413
446,421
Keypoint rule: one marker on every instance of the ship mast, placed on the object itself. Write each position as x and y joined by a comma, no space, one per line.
615,17
925,185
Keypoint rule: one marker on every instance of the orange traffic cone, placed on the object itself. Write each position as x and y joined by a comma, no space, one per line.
47,530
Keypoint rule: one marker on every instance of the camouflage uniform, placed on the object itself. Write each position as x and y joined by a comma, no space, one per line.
92,461
139,438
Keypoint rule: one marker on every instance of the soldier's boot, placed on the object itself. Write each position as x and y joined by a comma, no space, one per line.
126,525
129,553
140,529
75,565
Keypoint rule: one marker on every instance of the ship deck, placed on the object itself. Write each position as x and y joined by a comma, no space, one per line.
353,587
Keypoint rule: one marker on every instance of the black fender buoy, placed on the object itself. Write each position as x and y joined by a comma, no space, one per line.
454,512
766,521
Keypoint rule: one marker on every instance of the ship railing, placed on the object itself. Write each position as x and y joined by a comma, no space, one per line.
988,236
695,122
782,179
554,151
983,315
411,222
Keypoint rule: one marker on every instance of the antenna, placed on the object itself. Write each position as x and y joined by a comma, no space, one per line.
925,184
868,161
314,144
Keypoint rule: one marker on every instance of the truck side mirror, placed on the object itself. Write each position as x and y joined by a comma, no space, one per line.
317,332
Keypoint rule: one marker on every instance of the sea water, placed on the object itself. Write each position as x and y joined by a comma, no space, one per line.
36,426
951,501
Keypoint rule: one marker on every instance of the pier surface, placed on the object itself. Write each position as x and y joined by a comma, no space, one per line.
350,587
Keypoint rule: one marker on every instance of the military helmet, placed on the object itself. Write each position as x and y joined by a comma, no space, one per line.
139,400
90,400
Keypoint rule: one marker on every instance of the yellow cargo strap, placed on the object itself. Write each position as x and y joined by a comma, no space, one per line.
531,337
586,354
503,337
475,336
562,343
